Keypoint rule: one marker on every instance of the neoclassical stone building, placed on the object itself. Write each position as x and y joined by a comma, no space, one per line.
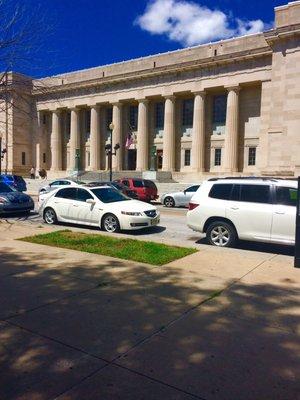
230,107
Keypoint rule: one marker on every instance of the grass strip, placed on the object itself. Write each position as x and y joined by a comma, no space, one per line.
126,249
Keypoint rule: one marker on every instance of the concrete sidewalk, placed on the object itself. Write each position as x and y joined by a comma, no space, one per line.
219,324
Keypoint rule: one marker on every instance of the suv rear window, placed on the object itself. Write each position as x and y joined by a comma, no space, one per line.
150,184
221,191
255,194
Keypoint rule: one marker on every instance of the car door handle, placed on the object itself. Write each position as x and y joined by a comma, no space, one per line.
280,212
75,205
234,208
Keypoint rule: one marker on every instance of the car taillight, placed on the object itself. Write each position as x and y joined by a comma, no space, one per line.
192,206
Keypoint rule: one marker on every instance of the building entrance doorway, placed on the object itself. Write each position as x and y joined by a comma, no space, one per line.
159,159
131,160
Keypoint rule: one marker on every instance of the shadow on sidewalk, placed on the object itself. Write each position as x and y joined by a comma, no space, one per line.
241,343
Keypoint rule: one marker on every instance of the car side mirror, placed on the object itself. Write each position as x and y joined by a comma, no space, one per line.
184,191
90,201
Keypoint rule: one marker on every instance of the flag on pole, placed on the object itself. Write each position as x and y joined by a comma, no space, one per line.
129,140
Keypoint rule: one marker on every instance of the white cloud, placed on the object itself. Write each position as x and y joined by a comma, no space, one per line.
190,24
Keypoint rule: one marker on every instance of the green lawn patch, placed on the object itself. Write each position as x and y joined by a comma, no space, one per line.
127,249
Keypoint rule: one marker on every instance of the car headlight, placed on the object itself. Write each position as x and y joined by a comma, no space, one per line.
133,214
3,200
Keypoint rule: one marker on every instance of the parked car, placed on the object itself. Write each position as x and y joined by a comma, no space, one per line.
13,201
145,189
258,209
118,186
179,199
14,181
98,206
57,183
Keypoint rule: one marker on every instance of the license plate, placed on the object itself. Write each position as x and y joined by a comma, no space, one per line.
154,221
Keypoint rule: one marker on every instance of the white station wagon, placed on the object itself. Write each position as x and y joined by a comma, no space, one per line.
255,209
98,206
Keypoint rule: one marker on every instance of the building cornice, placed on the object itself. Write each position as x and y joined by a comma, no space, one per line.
158,71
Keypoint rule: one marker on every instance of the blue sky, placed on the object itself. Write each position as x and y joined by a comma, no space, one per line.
88,33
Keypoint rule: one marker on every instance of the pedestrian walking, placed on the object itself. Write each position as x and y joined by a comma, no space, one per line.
32,173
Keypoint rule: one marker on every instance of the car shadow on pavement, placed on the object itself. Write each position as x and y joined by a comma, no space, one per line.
114,330
258,246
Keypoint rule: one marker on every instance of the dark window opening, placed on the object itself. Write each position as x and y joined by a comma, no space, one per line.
187,112
44,158
252,156
23,158
218,157
109,115
187,157
159,115
219,109
133,117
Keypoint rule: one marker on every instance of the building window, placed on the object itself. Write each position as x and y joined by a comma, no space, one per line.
44,158
23,158
133,117
68,126
218,157
88,158
219,109
88,123
159,115
187,157
187,112
109,115
44,119
252,156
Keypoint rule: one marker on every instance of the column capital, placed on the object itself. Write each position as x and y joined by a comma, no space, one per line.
95,106
116,103
201,93
58,111
73,109
233,88
145,101
170,97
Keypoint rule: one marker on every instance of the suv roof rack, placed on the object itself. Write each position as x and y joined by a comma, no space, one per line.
263,178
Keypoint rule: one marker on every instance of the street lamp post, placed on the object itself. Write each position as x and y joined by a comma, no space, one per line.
109,152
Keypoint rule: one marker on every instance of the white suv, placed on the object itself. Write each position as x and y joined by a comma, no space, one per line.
256,209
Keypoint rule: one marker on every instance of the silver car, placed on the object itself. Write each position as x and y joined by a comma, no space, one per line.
58,183
179,199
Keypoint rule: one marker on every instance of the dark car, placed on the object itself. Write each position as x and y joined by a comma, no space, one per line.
13,201
14,181
118,186
145,189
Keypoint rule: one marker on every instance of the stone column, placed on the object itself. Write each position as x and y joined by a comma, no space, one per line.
169,135
117,137
232,130
95,139
74,136
56,143
38,144
142,156
198,138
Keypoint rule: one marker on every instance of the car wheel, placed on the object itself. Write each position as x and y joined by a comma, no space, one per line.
222,234
169,202
50,217
110,223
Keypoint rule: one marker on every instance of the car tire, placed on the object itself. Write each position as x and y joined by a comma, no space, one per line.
110,223
50,216
169,202
221,234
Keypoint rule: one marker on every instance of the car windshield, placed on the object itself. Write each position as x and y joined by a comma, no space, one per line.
109,195
118,186
5,188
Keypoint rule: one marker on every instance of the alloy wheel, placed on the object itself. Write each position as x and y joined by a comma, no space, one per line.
110,223
50,216
220,236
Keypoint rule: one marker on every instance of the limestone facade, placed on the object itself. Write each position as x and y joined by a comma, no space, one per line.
230,107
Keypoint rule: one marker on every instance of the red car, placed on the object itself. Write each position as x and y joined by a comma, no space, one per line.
145,189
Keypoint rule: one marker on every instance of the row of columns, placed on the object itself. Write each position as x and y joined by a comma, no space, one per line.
169,137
